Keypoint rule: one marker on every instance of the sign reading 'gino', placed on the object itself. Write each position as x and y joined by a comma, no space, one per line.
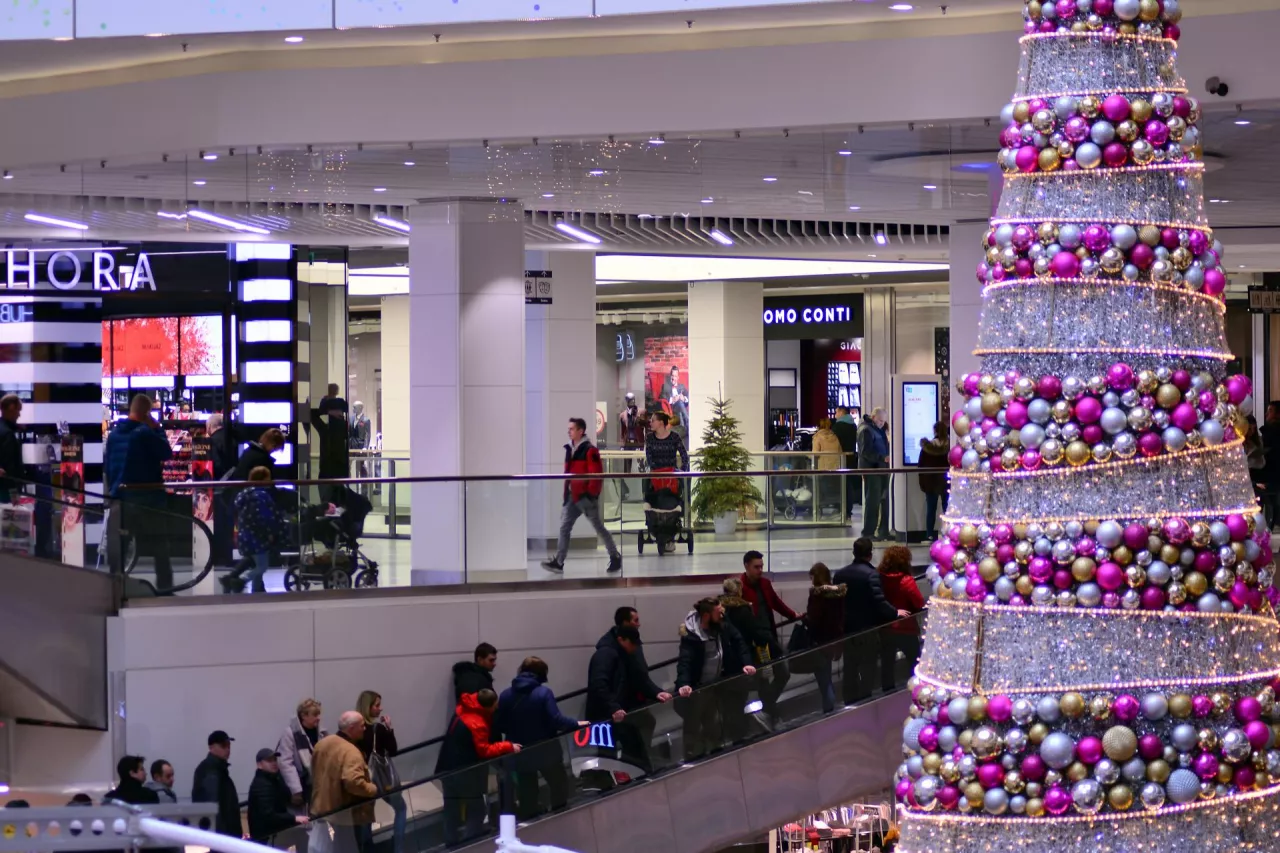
64,269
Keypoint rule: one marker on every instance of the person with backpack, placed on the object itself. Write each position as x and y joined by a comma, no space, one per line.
582,497
258,527
466,779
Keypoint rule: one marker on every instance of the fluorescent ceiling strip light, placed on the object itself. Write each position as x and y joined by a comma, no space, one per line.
711,268
61,223
397,224
577,233
214,219
164,214
720,237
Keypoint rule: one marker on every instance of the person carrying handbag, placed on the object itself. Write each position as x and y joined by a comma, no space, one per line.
379,746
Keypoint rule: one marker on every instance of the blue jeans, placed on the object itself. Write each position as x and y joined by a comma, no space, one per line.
397,803
822,674
253,578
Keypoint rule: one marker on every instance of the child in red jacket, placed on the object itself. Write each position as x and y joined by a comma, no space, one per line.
466,745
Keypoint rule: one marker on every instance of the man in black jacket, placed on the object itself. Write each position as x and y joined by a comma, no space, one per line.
846,430
472,676
865,608
212,783
133,773
711,649
12,468
269,800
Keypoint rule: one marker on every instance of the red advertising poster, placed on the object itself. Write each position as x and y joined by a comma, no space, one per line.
71,479
162,346
666,374
201,499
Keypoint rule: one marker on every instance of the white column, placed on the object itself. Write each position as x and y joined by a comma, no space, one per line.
879,348
726,356
466,393
560,381
966,300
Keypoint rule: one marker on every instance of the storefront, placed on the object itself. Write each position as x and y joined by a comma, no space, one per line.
813,363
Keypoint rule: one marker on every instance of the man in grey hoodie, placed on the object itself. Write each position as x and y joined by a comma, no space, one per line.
161,781
711,650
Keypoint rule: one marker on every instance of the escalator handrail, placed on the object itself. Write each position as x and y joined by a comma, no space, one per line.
913,618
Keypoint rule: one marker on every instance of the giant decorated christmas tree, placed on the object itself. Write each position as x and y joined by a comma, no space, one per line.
1102,652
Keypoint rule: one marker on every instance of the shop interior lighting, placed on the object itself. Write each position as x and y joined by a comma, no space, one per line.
294,39
658,140
930,187
881,239
164,214
708,200
208,155
845,152
410,163
719,268
595,173
60,223
198,183
397,224
901,7
379,189
770,180
577,233
214,219
720,237
855,207
548,195
1243,122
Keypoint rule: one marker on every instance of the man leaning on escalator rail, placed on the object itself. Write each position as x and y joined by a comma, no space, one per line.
618,685
134,455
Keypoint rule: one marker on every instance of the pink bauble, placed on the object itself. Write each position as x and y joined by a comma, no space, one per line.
1057,801
902,790
1150,747
1031,460
1120,376
955,455
1023,237
1049,387
1085,546
1037,104
1214,282
1206,562
1201,706
1091,434
1197,242
1176,530
1011,136
1046,26
1184,417
1172,31
1150,444
1088,410
942,552
1181,380
1153,598
1208,401
1110,576
1077,129
1259,734
1066,9
971,383
1126,708
982,273
1240,595
928,738
1016,414
990,776
1142,256
1040,569
1005,553
1002,533
949,797
1116,108
1023,268
1169,239
1248,709
1114,155
1033,768
1097,239
1205,765
1065,265
1070,165
1062,579
1238,387
1000,708
1181,105
1027,159
1135,537
1104,7
975,589
1089,750
1156,132
1238,527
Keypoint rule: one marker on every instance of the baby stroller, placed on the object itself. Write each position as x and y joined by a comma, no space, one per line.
337,525
664,514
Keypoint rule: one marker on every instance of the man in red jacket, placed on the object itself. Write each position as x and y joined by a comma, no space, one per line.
582,497
764,600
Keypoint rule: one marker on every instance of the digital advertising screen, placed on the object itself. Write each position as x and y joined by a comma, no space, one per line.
162,346
919,414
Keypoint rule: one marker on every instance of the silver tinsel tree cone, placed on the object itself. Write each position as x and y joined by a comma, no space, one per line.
1100,668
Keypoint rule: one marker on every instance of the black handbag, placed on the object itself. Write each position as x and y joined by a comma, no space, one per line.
799,643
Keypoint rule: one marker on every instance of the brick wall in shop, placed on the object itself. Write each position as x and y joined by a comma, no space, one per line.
660,353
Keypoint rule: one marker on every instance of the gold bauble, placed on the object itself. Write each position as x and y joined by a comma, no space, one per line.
1120,797
1221,703
1035,807
1010,460
1089,107
1037,733
1127,131
1225,772
1120,743
1169,554
1021,112
1020,531
986,382
1047,232
1207,739
1077,771
1150,235
968,535
1078,453
1181,258
1033,10
1072,704
1122,555
977,708
965,739
994,255
1147,381
1127,28
1014,783
1237,548
1159,770
1168,396
962,425
1083,569
1177,127
974,793
989,569
991,404
1079,27
1141,109
1112,260
950,771
1196,584
1100,706
932,763
1023,551
1061,411
1023,585
959,560
1148,10
1180,706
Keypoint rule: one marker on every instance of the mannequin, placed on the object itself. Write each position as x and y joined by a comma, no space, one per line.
360,427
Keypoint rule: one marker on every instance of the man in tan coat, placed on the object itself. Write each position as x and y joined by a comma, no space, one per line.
340,780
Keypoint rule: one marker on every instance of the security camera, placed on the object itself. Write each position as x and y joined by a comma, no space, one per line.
1215,86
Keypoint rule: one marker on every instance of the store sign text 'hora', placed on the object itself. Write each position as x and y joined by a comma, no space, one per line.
64,269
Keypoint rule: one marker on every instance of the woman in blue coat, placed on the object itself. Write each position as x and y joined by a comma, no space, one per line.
528,715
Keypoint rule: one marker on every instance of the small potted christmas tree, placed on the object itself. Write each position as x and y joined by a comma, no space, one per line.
722,499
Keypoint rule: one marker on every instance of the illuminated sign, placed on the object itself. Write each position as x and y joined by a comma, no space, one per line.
808,314
63,269
598,735
16,312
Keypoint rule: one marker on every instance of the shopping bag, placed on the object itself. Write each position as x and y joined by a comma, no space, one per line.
17,528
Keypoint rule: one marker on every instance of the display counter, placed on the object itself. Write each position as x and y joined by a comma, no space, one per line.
849,828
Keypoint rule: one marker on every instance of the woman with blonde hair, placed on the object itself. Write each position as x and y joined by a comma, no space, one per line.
379,747
828,456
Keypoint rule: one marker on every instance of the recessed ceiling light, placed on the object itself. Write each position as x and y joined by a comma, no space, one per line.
855,207
901,7
548,195
164,214
931,187
881,239
869,255
52,220
294,39
770,180
209,155
658,140
379,189
1242,266
720,237
707,200
8,176
155,35
804,192
577,233
410,163
1243,122
199,183
1215,201
845,152
595,173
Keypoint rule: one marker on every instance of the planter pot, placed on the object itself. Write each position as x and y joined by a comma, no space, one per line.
726,523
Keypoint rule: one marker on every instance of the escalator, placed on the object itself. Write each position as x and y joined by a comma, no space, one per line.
54,607
632,785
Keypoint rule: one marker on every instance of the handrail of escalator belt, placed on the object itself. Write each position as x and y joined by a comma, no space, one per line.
108,503
914,618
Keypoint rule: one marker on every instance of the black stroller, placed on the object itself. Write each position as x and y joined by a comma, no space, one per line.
336,524
664,514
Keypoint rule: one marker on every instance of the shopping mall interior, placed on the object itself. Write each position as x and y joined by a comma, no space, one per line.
386,254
